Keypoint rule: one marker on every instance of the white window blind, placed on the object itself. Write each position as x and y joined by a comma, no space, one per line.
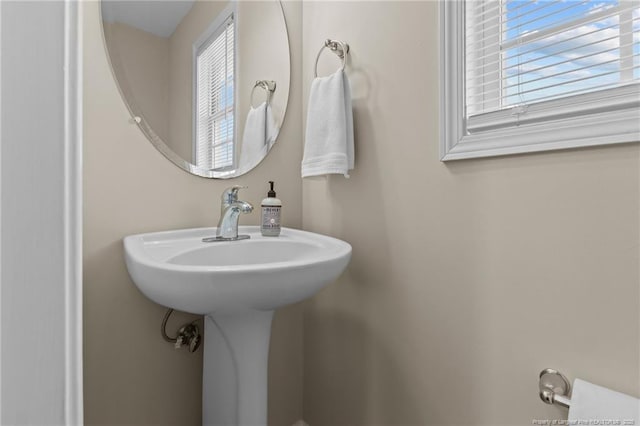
215,99
527,61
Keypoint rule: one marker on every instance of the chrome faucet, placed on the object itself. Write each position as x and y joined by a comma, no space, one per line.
229,196
230,210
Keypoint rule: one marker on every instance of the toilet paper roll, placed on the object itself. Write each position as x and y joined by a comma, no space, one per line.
593,404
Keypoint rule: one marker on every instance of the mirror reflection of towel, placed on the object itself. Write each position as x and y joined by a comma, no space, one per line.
260,133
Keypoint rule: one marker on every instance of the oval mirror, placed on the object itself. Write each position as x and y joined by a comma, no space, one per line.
206,81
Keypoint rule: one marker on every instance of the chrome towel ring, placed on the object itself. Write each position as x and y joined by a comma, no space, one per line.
338,47
268,85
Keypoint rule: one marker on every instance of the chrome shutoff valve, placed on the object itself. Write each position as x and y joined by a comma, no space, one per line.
189,335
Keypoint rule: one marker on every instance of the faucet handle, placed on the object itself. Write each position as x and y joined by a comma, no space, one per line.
230,195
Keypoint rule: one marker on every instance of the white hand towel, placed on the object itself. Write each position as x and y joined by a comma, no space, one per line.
328,146
591,402
260,133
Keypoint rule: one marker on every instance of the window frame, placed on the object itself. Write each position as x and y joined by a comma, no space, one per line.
213,30
605,117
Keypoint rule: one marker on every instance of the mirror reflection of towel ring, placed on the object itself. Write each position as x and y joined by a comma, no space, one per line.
269,86
338,47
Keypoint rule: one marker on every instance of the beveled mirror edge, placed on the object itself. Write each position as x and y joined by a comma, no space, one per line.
138,118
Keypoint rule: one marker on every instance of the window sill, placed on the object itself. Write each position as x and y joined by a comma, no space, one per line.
595,129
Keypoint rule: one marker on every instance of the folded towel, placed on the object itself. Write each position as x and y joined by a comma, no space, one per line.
260,133
328,146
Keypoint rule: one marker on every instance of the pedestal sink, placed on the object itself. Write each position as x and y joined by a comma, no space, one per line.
237,285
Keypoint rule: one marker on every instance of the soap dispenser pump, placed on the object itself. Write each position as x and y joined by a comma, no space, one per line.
271,208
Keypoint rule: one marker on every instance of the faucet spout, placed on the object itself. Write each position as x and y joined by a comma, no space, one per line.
229,195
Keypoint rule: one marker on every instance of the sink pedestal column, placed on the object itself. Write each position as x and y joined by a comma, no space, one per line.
236,352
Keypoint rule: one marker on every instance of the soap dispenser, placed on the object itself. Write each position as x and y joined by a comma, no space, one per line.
271,207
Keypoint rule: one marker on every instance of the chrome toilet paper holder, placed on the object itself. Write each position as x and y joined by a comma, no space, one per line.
554,388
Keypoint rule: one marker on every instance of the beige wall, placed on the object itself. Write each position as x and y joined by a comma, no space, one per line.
469,277
131,376
143,59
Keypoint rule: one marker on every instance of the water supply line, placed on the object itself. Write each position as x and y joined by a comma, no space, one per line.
188,335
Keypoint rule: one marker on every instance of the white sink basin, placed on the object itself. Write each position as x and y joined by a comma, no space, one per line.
237,285
176,269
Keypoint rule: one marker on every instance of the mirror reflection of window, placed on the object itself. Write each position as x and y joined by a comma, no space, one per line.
215,103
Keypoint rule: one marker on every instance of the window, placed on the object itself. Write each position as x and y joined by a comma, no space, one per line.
530,75
214,103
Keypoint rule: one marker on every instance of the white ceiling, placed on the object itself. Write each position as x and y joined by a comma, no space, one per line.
159,17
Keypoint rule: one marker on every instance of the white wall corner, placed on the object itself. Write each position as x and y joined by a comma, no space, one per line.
41,219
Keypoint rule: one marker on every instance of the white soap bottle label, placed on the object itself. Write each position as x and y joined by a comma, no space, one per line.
271,220
271,209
